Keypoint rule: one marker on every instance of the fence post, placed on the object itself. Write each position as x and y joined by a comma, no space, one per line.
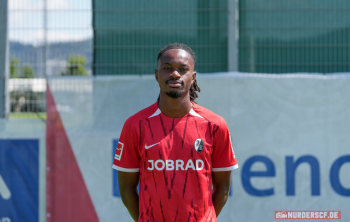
4,75
232,37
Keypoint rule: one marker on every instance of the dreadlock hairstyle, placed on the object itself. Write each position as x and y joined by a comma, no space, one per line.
194,86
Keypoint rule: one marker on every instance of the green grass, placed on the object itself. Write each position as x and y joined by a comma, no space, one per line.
28,115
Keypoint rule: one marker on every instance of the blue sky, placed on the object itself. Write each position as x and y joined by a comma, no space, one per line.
68,20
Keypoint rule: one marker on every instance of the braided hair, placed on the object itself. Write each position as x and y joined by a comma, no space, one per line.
194,87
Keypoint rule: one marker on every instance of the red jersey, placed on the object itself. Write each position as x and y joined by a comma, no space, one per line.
175,157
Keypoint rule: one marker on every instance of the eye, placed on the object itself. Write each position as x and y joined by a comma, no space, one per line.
166,68
184,69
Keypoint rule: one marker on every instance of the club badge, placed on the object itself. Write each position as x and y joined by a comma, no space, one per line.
199,145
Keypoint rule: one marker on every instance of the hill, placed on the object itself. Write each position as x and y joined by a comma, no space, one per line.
58,55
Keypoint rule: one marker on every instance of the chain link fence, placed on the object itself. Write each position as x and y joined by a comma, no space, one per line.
129,34
294,36
47,39
50,38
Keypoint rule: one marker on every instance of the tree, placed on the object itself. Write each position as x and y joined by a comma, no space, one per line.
27,72
76,66
14,68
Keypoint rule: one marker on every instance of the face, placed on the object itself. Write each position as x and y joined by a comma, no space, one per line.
175,73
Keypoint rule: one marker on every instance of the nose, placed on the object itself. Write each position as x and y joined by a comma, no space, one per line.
175,74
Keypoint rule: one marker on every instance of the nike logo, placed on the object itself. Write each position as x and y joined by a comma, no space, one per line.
147,147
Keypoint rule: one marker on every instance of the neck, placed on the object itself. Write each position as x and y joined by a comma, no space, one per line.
175,107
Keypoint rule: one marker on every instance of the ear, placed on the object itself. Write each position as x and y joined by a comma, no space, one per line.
156,74
194,74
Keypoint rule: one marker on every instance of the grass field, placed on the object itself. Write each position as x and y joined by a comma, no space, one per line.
28,115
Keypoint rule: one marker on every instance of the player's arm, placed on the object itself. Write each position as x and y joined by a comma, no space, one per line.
221,188
128,182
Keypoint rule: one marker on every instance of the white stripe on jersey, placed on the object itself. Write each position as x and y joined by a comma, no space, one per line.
225,168
125,169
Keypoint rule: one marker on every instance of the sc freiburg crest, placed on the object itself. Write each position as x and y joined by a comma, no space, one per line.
199,145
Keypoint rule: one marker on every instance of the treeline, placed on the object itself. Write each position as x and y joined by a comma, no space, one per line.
76,66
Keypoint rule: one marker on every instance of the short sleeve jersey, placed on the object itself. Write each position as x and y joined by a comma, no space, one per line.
176,158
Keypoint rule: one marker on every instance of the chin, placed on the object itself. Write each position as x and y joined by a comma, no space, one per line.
175,94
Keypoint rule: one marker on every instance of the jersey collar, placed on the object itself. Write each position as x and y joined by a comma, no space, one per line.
192,112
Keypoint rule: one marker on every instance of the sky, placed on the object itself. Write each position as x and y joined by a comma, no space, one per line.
67,20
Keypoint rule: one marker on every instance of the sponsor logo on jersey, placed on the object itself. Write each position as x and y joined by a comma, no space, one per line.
175,164
118,153
199,145
147,147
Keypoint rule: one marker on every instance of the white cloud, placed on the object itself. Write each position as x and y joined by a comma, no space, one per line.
37,37
29,13
58,5
39,4
26,21
17,15
25,4
65,36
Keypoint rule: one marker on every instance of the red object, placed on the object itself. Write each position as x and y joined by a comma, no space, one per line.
119,150
67,197
176,158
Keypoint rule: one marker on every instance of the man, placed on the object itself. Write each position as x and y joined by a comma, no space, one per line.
179,151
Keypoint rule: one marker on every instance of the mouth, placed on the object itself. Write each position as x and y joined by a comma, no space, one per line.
174,83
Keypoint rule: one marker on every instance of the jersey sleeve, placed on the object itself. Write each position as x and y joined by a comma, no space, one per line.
223,157
127,156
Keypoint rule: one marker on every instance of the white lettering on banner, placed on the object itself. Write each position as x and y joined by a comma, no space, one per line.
177,164
5,192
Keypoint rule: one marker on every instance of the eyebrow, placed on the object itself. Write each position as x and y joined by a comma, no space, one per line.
172,64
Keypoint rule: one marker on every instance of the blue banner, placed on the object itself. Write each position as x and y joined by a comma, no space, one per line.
116,192
19,180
